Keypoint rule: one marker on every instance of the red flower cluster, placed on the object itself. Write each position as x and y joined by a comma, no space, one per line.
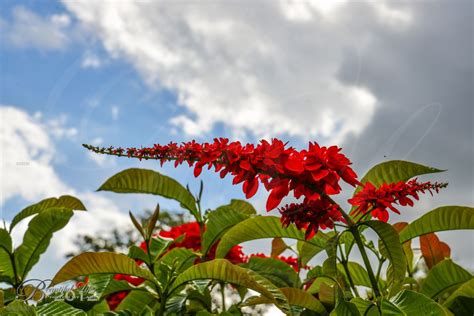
192,240
378,200
291,261
311,216
310,173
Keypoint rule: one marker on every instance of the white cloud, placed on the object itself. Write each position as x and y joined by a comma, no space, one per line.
264,69
26,156
27,151
91,60
27,29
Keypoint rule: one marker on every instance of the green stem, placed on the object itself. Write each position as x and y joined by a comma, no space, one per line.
223,296
349,277
360,244
365,258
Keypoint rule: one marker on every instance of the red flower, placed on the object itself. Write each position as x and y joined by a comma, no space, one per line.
309,173
192,240
311,215
378,200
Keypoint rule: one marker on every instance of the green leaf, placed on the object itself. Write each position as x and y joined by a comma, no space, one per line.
241,206
220,221
63,202
257,228
329,265
440,219
357,272
443,276
466,290
38,236
179,258
392,249
59,308
135,301
6,268
366,308
18,307
223,270
99,263
295,297
278,272
307,250
343,307
412,303
146,181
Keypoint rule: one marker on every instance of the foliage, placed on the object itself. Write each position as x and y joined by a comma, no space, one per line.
191,267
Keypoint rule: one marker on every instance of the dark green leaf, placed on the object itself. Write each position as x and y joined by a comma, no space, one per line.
146,181
37,237
278,272
257,228
392,249
412,303
59,308
440,219
63,202
99,263
445,275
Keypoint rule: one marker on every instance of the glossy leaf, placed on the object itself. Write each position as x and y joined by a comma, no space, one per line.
240,206
357,272
63,202
392,247
18,307
38,236
99,263
59,308
257,228
6,268
412,303
465,290
440,219
433,250
223,270
395,171
406,246
329,265
278,272
343,307
295,297
307,250
444,276
146,181
366,308
220,221
135,301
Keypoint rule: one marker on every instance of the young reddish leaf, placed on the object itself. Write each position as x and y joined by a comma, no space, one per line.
433,250
278,246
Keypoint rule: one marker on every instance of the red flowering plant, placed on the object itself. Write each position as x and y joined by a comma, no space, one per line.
177,270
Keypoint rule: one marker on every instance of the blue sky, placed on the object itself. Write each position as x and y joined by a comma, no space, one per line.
384,80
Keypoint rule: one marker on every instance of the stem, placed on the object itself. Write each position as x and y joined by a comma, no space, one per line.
360,244
161,312
349,277
223,296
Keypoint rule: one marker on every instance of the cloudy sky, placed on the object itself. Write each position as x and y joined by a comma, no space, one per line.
383,80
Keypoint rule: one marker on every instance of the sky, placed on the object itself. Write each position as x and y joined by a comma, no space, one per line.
383,80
